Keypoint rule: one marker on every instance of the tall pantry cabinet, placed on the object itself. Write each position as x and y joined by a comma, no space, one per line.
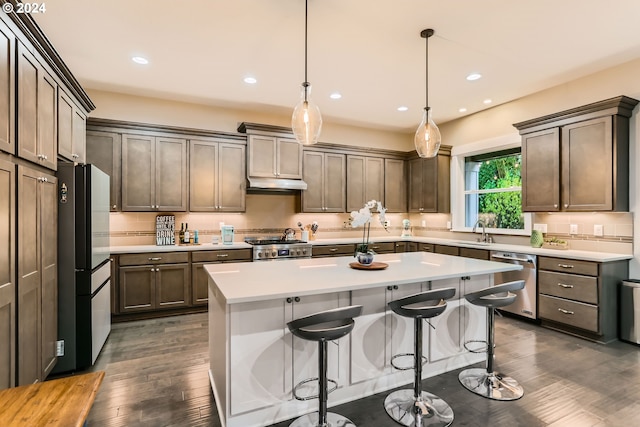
29,155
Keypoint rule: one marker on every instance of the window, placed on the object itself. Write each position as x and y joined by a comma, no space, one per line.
486,183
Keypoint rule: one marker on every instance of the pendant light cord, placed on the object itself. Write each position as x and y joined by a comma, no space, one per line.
426,66
306,82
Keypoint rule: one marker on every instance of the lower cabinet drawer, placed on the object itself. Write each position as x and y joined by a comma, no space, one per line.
383,248
222,255
446,250
577,314
570,286
332,250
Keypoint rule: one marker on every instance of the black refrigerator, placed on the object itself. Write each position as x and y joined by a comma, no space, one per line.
84,268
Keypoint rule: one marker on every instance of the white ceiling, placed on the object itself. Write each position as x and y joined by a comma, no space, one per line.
368,50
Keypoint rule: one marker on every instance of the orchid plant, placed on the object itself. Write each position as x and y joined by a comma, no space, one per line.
363,217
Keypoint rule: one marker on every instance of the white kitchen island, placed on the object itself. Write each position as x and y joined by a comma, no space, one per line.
255,362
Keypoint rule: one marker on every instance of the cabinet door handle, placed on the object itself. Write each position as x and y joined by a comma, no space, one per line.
395,287
389,288
333,249
566,205
113,207
222,255
289,300
153,269
375,247
565,265
297,299
157,258
562,285
565,311
555,205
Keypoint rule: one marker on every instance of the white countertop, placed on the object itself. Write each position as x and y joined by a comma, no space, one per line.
258,281
557,253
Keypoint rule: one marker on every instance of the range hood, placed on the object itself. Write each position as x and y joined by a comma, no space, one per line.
275,184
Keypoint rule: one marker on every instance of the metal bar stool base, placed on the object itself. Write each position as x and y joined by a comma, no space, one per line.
490,385
430,410
333,420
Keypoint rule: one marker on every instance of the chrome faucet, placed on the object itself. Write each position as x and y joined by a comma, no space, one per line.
485,237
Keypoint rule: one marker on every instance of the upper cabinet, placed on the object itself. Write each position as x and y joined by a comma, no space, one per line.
274,157
578,160
429,188
71,129
324,173
217,179
365,181
154,173
37,107
104,150
7,96
395,185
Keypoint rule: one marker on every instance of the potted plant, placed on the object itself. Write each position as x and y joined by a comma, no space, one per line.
363,254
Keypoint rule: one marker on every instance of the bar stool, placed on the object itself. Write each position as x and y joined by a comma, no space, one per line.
323,327
488,383
416,407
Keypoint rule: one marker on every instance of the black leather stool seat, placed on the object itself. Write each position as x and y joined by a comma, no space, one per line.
327,325
495,296
423,305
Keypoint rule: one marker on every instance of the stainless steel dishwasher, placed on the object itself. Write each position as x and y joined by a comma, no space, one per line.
526,301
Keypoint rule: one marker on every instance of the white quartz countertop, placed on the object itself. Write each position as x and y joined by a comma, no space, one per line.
131,249
259,281
569,253
557,253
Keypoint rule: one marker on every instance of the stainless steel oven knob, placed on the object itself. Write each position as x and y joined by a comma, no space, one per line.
273,254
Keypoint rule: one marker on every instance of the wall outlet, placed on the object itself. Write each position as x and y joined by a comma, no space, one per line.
573,228
448,225
60,348
598,230
423,223
540,227
387,223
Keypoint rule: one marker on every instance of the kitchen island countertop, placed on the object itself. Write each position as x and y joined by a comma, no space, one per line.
247,282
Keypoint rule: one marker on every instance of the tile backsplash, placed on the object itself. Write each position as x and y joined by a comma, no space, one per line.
271,214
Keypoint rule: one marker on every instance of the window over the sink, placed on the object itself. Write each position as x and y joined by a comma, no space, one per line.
486,185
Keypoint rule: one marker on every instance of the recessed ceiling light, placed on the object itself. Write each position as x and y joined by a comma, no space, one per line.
462,110
402,108
335,95
140,60
487,101
474,76
250,80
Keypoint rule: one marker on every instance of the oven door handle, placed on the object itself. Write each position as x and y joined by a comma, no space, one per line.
512,259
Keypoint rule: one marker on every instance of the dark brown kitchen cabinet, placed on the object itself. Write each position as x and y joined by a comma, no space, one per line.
395,188
319,251
154,173
429,186
7,274
154,281
71,129
104,150
217,176
365,181
324,173
580,297
446,250
200,278
274,157
37,108
426,247
7,90
578,160
474,253
383,247
406,247
37,284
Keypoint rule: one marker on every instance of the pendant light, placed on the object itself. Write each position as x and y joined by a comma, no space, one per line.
306,121
427,139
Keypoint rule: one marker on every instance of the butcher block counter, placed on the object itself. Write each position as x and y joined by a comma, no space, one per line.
255,361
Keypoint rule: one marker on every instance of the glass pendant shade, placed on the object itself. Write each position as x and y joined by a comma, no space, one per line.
427,139
306,121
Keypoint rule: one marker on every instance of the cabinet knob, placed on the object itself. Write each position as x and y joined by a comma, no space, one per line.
297,299
113,207
555,205
153,270
395,287
389,288
566,205
289,300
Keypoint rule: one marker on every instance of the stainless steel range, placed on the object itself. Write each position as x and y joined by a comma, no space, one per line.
271,249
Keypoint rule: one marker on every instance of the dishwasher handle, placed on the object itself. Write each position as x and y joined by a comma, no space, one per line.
512,258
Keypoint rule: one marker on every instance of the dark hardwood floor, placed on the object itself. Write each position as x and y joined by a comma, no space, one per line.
156,375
